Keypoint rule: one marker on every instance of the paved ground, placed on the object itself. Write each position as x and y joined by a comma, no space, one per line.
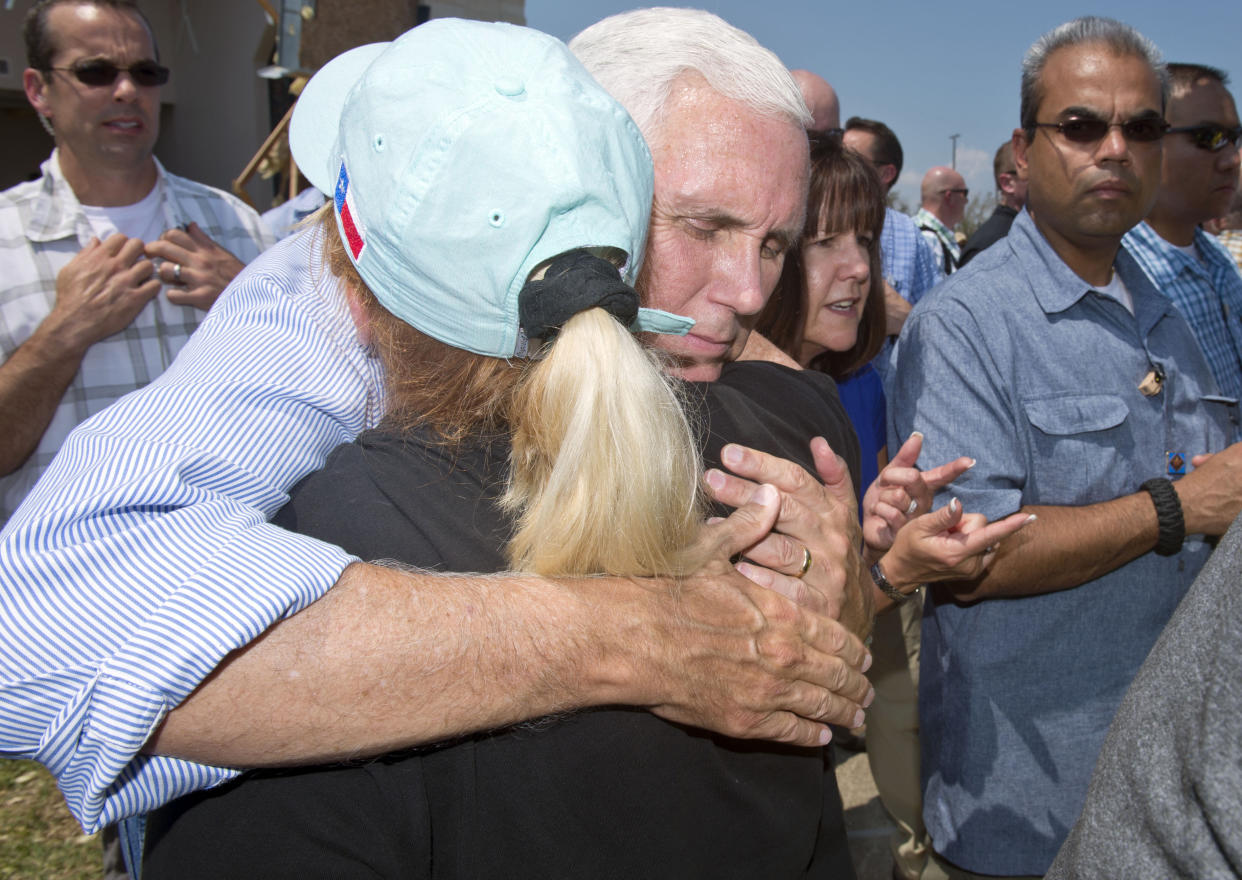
866,823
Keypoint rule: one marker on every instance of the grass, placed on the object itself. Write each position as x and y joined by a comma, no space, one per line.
38,837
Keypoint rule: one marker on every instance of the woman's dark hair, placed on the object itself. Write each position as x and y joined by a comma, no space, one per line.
845,194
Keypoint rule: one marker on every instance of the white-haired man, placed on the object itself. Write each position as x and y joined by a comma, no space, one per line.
384,658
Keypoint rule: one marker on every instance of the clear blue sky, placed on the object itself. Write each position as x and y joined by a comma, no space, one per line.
928,73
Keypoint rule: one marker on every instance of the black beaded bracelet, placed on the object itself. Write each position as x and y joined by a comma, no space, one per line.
1168,515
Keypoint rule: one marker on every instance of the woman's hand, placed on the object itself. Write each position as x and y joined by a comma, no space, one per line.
947,544
901,492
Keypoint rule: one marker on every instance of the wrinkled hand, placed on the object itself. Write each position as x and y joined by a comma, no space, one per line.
100,291
1211,494
901,492
947,544
896,310
747,662
815,516
206,268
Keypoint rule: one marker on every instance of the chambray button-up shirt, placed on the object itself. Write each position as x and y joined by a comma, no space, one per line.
1017,362
1208,294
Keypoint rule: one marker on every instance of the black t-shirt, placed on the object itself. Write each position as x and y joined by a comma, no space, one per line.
612,792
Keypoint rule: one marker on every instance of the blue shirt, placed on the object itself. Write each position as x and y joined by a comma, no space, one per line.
1207,293
1016,361
862,395
144,555
909,264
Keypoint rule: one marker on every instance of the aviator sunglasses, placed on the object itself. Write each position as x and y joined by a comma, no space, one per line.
104,73
1211,137
1090,129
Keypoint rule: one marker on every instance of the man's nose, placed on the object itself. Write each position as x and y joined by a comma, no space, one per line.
741,281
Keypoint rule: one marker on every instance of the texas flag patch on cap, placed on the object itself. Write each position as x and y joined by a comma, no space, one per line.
355,231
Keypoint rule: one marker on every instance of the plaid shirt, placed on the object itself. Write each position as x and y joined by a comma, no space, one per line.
1232,241
1208,294
941,239
909,264
42,227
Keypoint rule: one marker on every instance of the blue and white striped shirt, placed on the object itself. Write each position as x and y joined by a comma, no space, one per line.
144,555
1208,294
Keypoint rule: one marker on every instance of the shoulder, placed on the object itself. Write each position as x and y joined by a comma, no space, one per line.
778,410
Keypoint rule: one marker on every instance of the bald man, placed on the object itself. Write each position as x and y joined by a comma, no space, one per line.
944,203
821,100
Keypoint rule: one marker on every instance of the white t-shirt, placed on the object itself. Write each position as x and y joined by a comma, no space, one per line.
144,219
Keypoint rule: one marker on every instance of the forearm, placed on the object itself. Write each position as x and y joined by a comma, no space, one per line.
1066,547
32,382
389,659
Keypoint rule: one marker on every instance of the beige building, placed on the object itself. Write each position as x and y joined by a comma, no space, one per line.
216,109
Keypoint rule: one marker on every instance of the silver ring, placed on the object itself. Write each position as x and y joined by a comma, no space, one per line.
176,273
806,563
914,505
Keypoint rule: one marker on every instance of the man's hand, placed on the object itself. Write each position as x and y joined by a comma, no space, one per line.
1211,494
746,661
896,310
206,268
389,659
901,492
99,292
819,517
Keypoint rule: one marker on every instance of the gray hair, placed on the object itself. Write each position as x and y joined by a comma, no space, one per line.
1120,38
638,56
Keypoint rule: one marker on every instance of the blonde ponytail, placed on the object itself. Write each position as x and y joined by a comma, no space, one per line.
604,475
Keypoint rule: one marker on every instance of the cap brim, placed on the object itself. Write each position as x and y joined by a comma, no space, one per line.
316,122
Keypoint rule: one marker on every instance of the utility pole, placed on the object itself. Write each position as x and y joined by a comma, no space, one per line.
954,137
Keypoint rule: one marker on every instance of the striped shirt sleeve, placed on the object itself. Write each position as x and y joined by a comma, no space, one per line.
144,555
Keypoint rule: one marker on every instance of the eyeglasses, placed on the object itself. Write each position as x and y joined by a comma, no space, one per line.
1090,129
104,73
960,190
1210,137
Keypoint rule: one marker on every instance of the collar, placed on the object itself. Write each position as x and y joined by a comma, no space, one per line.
1168,261
1063,287
926,218
57,214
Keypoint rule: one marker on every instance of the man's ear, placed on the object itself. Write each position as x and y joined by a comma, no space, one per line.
362,321
888,174
1019,153
35,86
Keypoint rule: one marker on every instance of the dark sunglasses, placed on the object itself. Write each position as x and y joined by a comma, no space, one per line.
104,73
1090,129
1210,137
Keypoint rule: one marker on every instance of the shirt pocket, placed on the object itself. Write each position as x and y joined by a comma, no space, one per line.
1080,446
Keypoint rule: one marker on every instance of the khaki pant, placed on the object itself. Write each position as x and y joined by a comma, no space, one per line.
893,732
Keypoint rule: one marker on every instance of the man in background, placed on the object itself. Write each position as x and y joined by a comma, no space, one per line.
944,202
91,245
1198,179
1010,197
1094,410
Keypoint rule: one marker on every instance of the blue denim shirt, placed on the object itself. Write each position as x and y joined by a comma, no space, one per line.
1017,362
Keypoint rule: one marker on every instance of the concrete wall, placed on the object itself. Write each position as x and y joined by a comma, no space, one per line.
215,110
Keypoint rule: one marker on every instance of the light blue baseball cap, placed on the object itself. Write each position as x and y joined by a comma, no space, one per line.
460,157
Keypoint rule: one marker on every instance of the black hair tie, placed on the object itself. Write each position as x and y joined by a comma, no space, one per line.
575,281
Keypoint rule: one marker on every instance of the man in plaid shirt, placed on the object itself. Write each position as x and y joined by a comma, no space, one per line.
87,249
1199,177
